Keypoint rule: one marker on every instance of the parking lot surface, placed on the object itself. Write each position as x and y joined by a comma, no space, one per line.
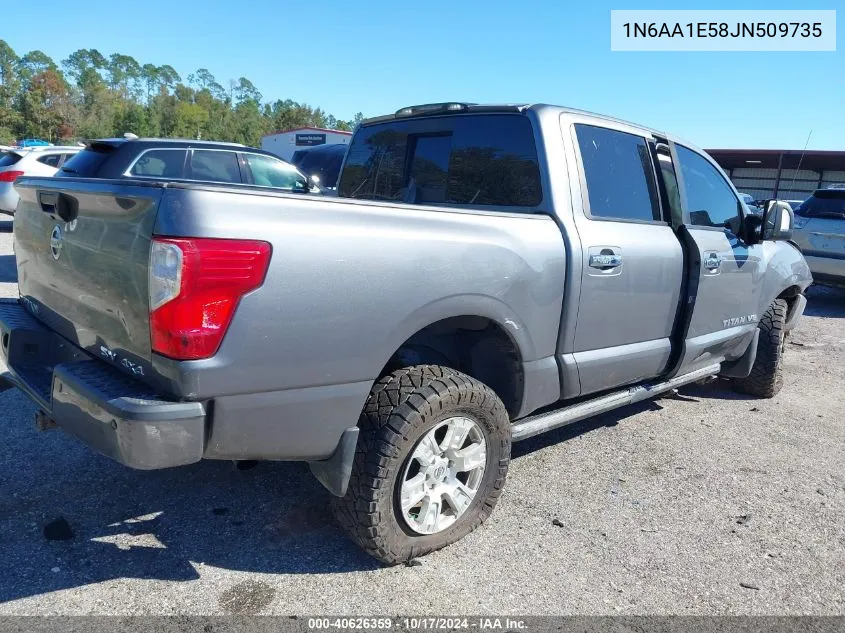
706,503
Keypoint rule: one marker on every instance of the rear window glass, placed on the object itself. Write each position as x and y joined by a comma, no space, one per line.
454,160
325,164
87,163
8,158
821,204
160,163
215,166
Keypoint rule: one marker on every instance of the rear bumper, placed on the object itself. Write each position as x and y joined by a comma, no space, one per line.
111,412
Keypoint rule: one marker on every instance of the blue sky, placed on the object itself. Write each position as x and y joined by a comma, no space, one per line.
376,56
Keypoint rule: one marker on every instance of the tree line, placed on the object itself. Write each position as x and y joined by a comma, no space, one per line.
89,95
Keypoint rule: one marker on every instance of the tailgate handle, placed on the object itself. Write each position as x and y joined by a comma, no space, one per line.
61,204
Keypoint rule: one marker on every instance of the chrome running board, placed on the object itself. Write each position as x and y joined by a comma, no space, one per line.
536,424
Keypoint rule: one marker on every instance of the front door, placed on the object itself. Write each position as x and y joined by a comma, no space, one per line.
724,317
632,261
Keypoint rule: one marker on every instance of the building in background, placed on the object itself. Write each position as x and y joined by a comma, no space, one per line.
284,144
782,174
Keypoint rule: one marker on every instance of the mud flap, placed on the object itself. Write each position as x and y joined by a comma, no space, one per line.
741,367
335,471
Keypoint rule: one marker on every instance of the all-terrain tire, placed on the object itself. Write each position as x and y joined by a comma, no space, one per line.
402,407
766,376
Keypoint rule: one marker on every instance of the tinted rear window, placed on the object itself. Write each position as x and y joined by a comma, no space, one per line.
8,158
454,160
87,163
823,203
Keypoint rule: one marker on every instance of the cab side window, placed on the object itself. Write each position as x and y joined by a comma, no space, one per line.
710,200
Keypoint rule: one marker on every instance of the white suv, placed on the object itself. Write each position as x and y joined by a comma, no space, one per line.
31,161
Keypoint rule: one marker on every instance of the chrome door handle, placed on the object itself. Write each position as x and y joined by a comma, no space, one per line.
712,261
605,261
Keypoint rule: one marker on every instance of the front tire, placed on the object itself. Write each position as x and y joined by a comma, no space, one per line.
432,458
766,377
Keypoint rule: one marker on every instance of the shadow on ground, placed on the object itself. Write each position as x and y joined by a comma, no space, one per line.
824,301
8,271
274,518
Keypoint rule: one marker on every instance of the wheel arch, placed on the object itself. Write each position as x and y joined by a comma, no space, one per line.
476,335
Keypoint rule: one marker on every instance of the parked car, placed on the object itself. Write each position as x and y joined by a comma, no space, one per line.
33,142
485,274
820,233
322,161
794,204
750,204
30,161
187,160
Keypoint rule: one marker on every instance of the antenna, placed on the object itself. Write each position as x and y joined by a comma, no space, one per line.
800,160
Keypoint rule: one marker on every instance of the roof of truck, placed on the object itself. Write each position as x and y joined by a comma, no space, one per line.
456,107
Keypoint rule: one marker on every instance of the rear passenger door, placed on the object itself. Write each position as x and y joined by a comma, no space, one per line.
632,268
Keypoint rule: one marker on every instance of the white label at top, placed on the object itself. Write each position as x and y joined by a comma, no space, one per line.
723,30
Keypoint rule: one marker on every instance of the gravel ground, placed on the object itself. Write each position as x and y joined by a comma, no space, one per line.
708,503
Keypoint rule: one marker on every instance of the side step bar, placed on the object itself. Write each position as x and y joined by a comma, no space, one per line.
536,424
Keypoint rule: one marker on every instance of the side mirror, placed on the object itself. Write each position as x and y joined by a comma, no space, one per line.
314,182
778,220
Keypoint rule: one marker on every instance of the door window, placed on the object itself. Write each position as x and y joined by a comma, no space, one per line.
156,163
619,174
272,172
51,160
215,166
710,200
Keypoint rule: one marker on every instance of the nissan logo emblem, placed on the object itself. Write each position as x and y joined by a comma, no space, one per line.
56,242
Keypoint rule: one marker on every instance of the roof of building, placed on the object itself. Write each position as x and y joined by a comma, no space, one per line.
299,129
811,159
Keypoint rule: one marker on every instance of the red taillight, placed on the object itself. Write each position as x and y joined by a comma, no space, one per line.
195,287
10,176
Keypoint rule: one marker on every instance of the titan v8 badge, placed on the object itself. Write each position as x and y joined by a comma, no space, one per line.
740,320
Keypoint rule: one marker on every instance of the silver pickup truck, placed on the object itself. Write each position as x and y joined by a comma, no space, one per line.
485,274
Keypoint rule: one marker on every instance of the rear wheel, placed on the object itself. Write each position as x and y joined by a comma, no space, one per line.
431,462
766,376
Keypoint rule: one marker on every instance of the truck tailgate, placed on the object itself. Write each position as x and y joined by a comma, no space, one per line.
87,278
